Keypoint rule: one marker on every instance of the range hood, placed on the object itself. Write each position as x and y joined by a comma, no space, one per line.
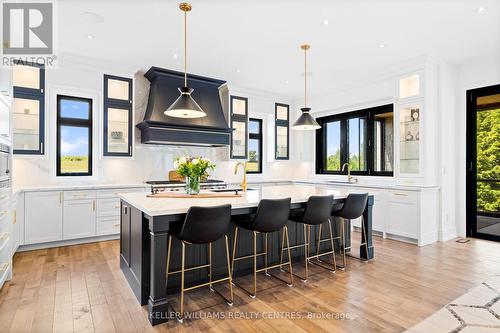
211,94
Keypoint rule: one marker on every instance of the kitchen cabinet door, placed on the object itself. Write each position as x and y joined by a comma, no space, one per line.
79,219
43,217
403,211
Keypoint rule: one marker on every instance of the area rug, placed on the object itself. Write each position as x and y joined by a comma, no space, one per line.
477,311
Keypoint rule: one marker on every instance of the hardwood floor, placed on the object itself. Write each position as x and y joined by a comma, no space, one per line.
81,289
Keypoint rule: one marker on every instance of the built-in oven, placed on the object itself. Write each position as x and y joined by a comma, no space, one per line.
5,163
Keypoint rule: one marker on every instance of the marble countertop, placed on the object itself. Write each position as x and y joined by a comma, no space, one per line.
396,187
251,198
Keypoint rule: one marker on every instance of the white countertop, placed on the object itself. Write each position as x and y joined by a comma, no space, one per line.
69,187
379,186
169,206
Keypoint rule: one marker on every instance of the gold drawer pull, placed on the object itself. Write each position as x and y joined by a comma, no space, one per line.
116,225
401,194
4,268
117,207
3,213
3,196
79,194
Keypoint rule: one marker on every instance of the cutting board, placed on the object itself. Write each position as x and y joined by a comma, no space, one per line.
195,196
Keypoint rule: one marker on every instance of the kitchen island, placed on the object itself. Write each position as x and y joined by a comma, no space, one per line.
145,223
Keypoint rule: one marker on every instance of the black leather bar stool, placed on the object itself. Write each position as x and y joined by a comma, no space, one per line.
354,206
317,212
271,216
202,225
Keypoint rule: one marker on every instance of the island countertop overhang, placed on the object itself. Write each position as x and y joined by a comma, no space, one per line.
169,206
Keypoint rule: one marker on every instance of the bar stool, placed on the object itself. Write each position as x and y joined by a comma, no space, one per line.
202,225
317,212
271,216
354,206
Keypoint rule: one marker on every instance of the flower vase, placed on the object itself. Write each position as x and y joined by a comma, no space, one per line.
193,185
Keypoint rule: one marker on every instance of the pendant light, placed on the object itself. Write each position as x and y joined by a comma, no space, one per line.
185,106
305,122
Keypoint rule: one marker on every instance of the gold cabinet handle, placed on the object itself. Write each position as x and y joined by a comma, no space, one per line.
93,205
60,197
3,213
117,207
3,196
401,194
116,225
14,219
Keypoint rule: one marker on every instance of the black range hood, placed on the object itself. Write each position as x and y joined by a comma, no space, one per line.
209,93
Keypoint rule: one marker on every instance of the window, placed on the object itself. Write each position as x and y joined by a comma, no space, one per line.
254,164
239,124
117,116
282,113
74,136
363,138
28,106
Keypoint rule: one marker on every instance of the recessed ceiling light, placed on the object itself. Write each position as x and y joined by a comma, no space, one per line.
286,82
238,70
90,37
381,46
175,55
480,9
91,17
325,22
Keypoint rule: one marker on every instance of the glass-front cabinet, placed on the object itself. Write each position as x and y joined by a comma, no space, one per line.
409,139
239,124
282,130
28,108
409,112
117,116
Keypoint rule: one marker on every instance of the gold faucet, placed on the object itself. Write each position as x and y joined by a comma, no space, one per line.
349,177
244,183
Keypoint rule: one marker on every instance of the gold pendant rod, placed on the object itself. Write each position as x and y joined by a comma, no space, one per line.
185,49
305,47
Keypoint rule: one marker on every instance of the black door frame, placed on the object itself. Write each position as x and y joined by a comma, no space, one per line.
471,160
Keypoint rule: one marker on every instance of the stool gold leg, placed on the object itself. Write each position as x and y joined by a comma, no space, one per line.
254,265
333,246
210,266
182,281
319,242
265,254
306,253
282,249
234,249
342,225
289,255
229,272
169,246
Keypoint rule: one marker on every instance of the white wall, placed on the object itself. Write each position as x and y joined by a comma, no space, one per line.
474,74
148,161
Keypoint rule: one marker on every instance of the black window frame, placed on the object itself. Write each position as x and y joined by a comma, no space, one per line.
63,121
281,123
38,95
117,104
259,138
242,119
321,139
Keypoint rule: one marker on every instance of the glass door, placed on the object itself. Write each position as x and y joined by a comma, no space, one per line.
409,139
483,156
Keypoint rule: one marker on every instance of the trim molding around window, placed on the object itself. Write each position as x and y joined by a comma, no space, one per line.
255,136
363,138
33,94
281,122
241,117
81,165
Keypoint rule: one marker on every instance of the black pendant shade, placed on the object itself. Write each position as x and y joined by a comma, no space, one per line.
305,121
185,106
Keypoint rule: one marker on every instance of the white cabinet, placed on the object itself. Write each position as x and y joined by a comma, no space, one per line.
108,225
43,217
403,214
79,218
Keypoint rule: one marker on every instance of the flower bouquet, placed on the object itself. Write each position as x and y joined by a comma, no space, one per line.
193,168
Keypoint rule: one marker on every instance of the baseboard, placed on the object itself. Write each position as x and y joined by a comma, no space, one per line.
68,242
447,234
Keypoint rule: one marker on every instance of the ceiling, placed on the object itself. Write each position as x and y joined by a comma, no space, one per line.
255,44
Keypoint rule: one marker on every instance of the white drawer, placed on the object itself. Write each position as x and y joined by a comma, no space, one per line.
108,225
78,195
403,196
113,193
108,207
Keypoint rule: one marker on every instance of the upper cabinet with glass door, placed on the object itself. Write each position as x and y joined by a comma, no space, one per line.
117,116
239,124
282,131
28,109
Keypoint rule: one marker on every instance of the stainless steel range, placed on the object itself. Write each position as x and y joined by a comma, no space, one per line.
158,186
